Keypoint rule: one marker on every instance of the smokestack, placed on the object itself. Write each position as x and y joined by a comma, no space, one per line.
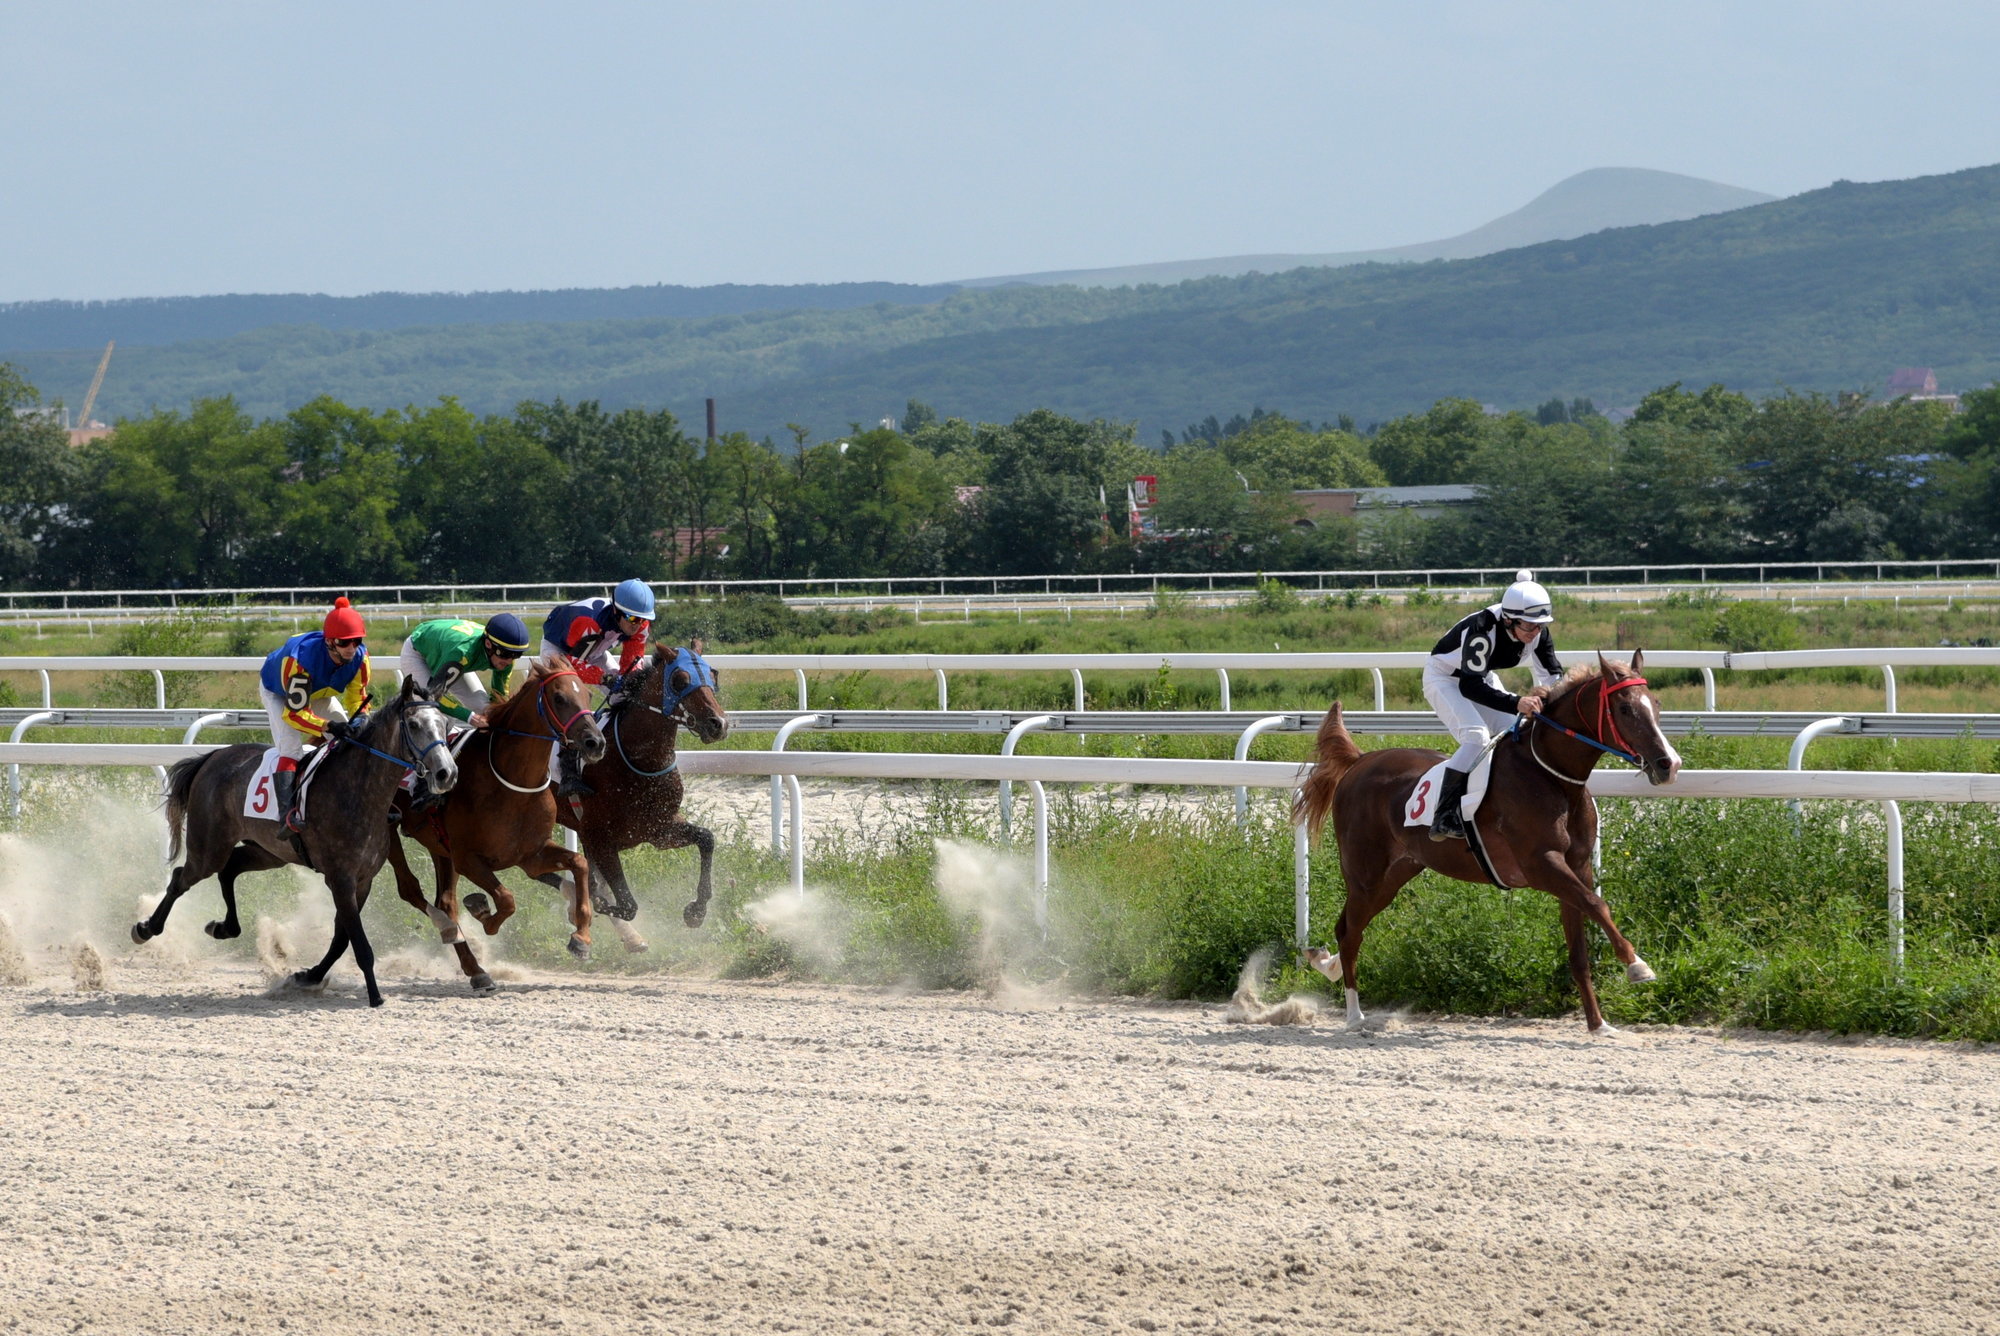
711,419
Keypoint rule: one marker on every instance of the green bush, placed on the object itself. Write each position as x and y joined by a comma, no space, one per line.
1755,625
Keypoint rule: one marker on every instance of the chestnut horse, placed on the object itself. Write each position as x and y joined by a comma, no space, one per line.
638,782
502,813
1538,823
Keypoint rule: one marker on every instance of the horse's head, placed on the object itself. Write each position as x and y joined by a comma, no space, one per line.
424,725
563,701
1621,711
683,687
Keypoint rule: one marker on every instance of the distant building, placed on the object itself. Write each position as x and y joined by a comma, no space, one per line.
1366,503
1919,384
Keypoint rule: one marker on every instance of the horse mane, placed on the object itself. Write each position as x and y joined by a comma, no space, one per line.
537,670
1581,673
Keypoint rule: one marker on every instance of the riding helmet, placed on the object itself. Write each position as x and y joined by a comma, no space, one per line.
343,623
634,598
1526,601
507,631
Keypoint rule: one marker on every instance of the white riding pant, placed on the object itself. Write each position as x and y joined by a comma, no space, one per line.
467,689
1473,725
290,742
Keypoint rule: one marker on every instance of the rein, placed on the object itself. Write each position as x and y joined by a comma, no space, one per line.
672,708
548,716
415,764
1605,724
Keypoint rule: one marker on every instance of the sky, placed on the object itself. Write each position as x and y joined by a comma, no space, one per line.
215,146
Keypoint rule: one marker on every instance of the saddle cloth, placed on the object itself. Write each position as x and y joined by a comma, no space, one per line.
1418,808
259,798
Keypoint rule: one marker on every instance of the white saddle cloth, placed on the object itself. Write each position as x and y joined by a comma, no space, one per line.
1421,805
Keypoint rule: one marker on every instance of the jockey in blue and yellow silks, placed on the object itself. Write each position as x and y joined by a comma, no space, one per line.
329,665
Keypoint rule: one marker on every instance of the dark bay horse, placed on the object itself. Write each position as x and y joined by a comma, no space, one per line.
1538,821
638,783
346,835
503,811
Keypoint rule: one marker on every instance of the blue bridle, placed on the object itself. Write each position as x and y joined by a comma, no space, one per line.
699,674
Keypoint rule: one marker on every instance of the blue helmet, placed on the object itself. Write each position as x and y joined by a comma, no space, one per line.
634,598
507,631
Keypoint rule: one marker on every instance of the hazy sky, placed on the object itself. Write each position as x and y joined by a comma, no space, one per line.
208,146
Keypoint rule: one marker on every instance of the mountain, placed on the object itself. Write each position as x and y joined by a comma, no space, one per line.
1591,201
1828,290
141,321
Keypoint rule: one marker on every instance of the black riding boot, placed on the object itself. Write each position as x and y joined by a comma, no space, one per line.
570,771
285,783
1449,823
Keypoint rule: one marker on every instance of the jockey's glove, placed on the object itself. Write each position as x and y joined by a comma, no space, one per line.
337,729
612,681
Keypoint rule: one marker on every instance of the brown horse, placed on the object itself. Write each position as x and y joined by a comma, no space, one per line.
1537,823
638,785
502,813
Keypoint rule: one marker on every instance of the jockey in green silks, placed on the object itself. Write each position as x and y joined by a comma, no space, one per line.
445,654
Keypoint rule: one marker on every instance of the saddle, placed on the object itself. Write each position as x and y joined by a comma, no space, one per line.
1419,808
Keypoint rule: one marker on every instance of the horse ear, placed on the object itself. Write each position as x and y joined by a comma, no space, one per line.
409,688
1603,668
695,646
1638,661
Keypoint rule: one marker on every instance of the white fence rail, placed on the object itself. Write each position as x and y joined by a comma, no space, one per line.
1885,788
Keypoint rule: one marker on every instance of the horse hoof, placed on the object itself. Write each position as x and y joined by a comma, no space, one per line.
1607,1031
579,948
605,906
305,983
482,983
477,905
141,933
375,1000
1640,972
222,931
695,914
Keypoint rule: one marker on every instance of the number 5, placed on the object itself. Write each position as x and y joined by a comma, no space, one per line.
261,802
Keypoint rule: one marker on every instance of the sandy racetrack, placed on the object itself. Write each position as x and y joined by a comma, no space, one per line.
184,1154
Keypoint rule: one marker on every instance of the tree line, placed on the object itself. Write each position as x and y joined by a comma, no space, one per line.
334,494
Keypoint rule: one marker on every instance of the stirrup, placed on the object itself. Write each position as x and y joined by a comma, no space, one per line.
1444,827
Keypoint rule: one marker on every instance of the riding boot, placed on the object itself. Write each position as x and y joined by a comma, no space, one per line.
1449,823
570,776
286,784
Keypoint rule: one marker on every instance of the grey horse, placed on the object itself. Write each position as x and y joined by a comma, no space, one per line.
347,829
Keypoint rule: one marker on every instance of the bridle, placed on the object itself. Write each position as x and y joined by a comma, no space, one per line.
1607,726
415,763
560,733
677,714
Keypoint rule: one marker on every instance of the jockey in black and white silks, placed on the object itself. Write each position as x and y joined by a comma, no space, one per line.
1462,684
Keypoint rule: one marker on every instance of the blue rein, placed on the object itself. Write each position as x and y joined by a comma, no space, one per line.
1570,732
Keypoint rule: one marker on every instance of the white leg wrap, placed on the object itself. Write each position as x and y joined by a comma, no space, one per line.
1640,972
1354,1016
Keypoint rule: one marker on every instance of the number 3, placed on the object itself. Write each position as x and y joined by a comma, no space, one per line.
1478,653
1422,799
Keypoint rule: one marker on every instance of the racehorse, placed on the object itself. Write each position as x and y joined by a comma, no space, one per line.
346,835
1538,823
502,813
638,783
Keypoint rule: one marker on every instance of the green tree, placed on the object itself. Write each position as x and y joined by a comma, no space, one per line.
38,477
1435,446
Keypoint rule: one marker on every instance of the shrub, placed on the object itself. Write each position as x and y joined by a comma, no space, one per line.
1752,625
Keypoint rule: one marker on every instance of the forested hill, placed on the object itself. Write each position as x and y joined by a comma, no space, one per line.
156,320
1828,290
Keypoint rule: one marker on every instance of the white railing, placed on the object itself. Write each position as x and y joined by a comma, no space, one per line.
1887,788
949,585
1886,659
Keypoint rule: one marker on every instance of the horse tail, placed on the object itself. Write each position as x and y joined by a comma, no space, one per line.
180,782
1334,755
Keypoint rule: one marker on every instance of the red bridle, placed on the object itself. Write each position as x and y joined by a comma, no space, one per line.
1607,723
548,714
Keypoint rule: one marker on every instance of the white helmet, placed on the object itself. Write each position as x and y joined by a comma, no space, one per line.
1526,601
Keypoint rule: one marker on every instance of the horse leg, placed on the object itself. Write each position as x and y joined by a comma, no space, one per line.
316,976
1580,898
1372,882
680,834
244,858
547,859
155,923
347,902
482,907
607,870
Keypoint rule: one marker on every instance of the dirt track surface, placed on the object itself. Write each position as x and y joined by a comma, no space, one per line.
184,1154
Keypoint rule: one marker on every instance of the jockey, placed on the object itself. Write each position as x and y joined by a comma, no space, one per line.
329,664
445,653
586,632
1461,684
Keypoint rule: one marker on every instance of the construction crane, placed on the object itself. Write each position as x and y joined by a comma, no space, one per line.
96,384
